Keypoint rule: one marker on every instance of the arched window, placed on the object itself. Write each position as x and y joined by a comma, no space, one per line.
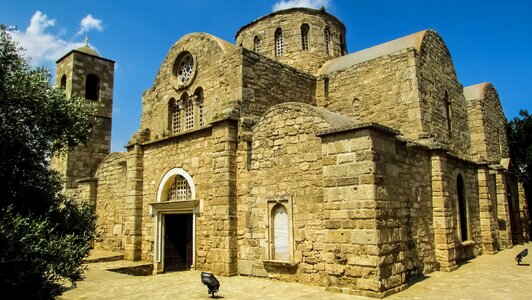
304,37
173,116
63,82
343,46
448,113
92,87
189,114
462,209
327,34
279,42
179,190
199,103
176,184
280,233
356,107
256,44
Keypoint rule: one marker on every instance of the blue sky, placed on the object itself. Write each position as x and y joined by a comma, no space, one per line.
488,40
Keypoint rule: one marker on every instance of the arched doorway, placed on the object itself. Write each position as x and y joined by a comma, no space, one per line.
174,222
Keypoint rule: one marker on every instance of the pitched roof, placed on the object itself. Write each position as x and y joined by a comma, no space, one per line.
410,41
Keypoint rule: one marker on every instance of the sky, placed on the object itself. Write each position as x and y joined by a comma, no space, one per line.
489,41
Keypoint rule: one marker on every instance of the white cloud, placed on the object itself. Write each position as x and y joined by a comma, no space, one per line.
88,23
44,47
284,4
41,46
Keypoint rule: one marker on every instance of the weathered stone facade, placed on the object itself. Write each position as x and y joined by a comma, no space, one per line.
84,74
291,159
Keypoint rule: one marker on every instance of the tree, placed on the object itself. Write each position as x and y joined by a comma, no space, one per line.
519,132
44,235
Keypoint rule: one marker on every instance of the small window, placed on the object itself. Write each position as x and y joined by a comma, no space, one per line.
173,112
448,113
189,114
63,82
92,87
280,233
279,42
462,209
179,190
304,37
356,107
327,34
256,44
199,104
343,46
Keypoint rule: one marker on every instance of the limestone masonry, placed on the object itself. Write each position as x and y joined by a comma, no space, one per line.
283,156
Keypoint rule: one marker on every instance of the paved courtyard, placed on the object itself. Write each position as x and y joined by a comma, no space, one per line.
486,277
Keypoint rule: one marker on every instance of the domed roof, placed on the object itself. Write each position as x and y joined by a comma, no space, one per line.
88,50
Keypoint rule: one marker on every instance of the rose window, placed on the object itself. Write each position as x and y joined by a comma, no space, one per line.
186,69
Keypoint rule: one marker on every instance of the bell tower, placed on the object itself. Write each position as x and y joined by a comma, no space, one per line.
85,74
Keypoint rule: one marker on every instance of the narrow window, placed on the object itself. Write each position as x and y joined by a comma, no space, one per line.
343,46
356,107
499,140
327,34
63,82
173,116
189,114
199,104
256,44
304,37
249,155
279,42
92,87
448,114
326,87
280,233
462,208
179,190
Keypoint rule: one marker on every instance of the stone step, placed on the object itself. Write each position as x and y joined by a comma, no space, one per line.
97,256
103,259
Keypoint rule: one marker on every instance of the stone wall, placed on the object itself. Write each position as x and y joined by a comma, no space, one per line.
110,203
406,169
191,151
487,195
472,247
217,73
290,22
487,124
282,163
382,90
84,160
267,82
438,85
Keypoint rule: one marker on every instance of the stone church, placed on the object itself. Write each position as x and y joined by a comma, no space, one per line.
284,156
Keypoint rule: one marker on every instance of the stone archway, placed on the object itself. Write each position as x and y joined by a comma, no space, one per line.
174,222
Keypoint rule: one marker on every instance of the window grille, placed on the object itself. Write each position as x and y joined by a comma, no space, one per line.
279,42
304,37
186,68
200,112
180,190
256,44
175,119
327,41
189,115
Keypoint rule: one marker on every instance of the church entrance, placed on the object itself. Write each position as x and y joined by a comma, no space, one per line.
177,242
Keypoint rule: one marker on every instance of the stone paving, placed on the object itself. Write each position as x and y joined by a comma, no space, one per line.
486,277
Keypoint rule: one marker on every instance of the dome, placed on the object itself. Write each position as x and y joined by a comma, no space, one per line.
88,50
